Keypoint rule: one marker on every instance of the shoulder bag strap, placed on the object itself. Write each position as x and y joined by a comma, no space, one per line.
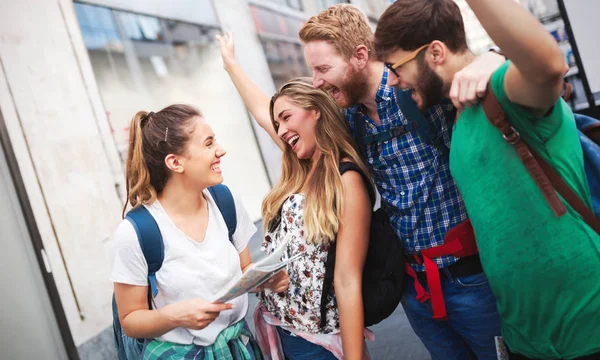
545,176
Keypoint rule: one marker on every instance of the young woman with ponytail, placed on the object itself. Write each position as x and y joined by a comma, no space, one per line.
173,158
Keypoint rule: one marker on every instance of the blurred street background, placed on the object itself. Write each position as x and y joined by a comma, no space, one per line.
72,75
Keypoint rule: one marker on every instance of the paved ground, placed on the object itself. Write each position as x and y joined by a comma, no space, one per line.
394,338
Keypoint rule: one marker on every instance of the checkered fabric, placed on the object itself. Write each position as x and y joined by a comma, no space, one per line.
234,343
412,177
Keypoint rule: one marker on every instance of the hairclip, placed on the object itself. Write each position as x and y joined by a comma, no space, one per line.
166,133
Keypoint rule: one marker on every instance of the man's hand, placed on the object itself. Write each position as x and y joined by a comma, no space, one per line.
469,84
227,49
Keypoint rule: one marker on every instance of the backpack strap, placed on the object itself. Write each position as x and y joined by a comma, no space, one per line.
360,129
391,133
151,243
416,121
224,200
545,176
330,262
427,132
347,166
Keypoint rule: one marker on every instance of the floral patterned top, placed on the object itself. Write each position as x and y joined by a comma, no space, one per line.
299,306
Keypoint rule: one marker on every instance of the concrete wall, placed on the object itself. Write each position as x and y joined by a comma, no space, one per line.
234,16
25,298
55,110
68,164
59,129
129,82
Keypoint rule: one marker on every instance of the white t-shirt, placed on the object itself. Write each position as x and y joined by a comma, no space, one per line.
190,269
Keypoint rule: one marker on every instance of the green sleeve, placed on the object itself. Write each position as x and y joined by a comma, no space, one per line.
533,128
554,136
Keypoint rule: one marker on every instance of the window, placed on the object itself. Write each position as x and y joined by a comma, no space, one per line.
279,38
145,63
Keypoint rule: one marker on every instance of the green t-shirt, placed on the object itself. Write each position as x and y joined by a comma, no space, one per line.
543,270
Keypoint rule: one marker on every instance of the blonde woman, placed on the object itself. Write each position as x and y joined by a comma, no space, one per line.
314,205
173,158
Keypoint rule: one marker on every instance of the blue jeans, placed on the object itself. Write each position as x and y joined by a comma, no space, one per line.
473,319
296,348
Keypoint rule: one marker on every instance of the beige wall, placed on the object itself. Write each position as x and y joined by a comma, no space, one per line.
234,16
58,126
65,159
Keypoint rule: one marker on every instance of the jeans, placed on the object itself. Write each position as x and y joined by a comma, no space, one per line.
473,319
297,348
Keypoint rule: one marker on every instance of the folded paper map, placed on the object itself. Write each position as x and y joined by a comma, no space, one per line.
257,274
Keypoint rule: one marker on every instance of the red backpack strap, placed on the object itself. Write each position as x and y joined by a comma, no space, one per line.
545,176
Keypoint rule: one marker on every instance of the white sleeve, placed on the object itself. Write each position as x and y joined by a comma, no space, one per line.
245,227
129,265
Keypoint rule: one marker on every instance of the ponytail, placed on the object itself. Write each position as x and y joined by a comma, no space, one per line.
139,189
152,136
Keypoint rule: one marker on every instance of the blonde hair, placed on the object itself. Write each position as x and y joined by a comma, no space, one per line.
343,25
152,136
324,190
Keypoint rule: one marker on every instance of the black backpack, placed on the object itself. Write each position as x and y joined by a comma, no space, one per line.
383,273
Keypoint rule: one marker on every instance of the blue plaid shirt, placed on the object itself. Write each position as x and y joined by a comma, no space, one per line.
412,177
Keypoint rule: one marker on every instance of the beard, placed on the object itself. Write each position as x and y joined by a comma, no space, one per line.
430,85
353,88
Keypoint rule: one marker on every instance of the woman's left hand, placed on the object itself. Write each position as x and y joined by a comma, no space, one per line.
278,283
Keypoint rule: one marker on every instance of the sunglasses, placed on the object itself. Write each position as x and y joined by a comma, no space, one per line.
405,59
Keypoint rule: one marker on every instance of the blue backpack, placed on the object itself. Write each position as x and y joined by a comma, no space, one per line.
589,135
151,243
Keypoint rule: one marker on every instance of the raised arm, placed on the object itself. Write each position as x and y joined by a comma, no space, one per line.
254,98
535,76
351,251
